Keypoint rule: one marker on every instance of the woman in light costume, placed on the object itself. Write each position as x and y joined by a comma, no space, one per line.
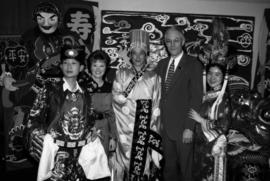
136,96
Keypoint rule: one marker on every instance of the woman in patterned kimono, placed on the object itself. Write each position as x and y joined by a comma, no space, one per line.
60,117
136,96
214,118
98,64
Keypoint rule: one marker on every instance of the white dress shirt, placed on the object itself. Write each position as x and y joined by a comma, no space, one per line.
176,62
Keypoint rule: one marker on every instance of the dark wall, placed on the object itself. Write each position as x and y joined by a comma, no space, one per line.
16,15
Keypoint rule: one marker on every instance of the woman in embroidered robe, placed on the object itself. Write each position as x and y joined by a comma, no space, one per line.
132,85
211,128
60,125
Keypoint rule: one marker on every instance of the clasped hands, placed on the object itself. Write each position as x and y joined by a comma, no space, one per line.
97,133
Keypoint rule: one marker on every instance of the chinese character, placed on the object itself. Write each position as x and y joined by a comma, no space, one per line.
22,55
11,55
80,24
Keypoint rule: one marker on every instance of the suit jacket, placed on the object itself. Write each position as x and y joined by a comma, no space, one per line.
185,92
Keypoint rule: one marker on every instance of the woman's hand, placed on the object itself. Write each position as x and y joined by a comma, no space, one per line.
187,136
195,116
93,134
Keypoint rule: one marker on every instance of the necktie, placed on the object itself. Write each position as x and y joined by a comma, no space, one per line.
169,76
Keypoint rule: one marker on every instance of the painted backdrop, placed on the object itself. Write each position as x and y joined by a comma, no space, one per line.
116,25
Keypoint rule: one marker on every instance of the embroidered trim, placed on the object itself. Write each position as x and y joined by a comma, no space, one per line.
143,138
134,80
71,144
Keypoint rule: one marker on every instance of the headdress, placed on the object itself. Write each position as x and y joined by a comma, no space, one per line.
74,52
215,52
139,39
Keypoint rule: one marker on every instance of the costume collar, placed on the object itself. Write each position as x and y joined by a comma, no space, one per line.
211,95
67,87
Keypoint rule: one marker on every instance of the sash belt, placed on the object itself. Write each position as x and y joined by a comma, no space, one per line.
71,144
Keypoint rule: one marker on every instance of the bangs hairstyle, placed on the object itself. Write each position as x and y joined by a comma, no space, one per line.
98,55
219,66
46,7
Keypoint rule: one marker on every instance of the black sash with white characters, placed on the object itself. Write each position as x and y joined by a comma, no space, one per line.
143,138
134,80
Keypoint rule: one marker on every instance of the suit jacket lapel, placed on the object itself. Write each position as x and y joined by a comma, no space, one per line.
164,72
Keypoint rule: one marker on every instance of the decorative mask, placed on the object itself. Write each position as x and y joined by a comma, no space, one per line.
47,22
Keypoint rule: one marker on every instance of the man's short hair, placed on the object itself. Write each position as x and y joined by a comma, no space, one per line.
176,28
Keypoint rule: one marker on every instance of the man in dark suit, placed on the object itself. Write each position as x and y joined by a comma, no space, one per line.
181,90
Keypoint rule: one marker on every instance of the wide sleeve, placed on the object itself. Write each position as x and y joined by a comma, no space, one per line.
155,119
213,129
118,87
155,139
109,115
36,123
112,125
